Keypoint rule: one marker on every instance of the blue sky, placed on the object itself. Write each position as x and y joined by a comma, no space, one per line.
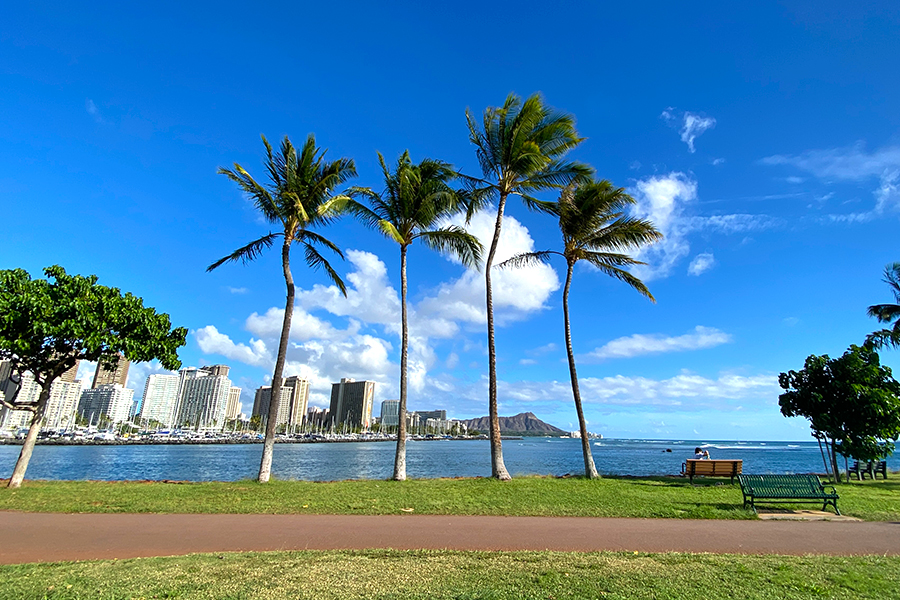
763,140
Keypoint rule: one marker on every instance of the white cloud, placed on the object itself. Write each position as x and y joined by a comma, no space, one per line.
211,341
856,164
692,125
636,392
661,200
238,290
92,110
701,263
641,344
516,292
734,223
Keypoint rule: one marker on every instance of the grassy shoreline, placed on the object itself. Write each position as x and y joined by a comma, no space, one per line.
402,575
650,497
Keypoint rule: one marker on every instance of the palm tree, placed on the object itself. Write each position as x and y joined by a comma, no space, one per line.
299,196
885,313
520,148
415,200
594,229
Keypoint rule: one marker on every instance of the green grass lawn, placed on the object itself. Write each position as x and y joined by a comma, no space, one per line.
656,497
458,575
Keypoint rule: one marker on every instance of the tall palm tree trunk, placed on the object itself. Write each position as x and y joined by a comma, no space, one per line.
498,469
18,474
590,471
400,457
265,465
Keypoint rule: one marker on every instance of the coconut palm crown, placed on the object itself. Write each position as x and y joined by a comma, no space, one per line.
299,196
885,313
595,229
416,201
520,147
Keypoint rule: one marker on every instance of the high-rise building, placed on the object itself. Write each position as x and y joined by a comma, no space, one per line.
233,408
390,413
160,398
203,398
110,400
293,401
119,374
72,374
317,417
351,403
217,370
61,405
424,415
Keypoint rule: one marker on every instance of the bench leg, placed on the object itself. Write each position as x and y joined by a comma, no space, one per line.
832,503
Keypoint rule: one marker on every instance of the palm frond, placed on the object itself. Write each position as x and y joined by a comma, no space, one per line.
540,206
307,237
456,241
318,262
885,313
247,253
528,259
884,338
608,267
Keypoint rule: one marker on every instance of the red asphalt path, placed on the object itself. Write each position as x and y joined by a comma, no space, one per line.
46,537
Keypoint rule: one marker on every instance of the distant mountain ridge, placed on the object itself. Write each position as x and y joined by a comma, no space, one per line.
521,424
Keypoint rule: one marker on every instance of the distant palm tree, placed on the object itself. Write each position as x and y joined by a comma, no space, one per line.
299,196
519,147
596,230
885,313
415,201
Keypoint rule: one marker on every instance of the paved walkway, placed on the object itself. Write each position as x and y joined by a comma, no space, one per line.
42,537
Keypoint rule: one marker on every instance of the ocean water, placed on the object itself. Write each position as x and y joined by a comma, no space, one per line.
425,459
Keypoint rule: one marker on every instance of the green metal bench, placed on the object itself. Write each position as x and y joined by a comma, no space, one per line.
786,489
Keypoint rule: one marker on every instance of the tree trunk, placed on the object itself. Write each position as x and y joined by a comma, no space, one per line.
265,465
18,474
498,469
590,471
834,463
400,457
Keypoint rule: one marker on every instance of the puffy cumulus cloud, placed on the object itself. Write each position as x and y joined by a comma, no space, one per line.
516,292
690,125
853,163
661,200
211,341
701,264
304,326
665,201
641,344
370,296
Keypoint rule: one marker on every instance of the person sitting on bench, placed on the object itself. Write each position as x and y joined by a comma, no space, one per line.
700,453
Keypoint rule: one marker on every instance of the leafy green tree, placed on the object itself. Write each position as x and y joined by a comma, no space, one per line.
852,400
47,326
255,422
885,313
520,147
298,197
415,201
594,229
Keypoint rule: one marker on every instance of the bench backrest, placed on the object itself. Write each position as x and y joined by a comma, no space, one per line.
721,467
780,484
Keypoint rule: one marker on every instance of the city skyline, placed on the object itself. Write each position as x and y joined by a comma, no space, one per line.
763,140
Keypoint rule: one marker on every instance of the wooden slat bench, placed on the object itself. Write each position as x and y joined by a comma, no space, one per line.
786,488
712,468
